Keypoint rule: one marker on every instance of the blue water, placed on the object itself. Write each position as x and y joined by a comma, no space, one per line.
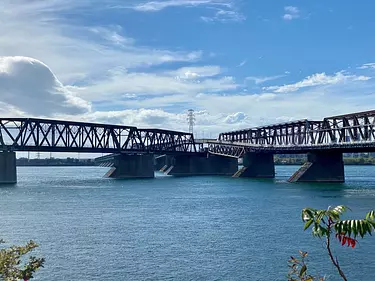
198,228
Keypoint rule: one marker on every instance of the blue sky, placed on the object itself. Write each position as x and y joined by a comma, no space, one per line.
237,63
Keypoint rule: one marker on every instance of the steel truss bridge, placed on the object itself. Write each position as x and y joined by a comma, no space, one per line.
31,134
353,132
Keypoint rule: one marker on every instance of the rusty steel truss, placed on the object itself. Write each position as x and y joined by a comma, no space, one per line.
349,132
31,134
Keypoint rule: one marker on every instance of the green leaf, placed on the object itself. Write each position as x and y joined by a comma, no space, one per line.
370,215
362,230
303,270
308,224
319,215
340,209
354,228
307,214
338,227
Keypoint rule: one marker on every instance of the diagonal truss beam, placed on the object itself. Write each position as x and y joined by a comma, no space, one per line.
31,134
355,130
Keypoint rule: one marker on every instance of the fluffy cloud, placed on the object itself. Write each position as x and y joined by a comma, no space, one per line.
206,122
196,72
31,87
317,79
222,15
122,84
291,13
235,118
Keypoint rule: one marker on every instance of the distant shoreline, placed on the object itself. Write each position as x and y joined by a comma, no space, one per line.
73,162
348,161
55,165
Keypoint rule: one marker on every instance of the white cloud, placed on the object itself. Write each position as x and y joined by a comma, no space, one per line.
29,86
211,123
114,87
317,79
196,72
260,80
291,13
291,9
154,6
235,118
265,109
224,9
242,63
367,66
225,16
112,35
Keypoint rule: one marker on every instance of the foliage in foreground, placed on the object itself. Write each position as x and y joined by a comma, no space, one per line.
13,267
328,223
298,269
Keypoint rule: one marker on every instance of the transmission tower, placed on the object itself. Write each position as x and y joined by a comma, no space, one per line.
191,120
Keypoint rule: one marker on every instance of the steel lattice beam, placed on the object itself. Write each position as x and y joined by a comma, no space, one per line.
30,134
349,132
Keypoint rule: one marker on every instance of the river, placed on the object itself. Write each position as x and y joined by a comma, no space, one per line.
195,228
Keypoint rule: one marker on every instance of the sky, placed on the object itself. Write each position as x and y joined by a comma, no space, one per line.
237,63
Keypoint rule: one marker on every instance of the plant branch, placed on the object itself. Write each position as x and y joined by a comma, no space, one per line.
335,262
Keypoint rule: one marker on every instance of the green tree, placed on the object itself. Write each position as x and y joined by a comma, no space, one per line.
13,266
326,223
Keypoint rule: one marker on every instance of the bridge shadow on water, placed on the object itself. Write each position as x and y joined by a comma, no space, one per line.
5,186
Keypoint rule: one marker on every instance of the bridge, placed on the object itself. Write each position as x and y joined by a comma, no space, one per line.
44,135
324,141
346,133
134,152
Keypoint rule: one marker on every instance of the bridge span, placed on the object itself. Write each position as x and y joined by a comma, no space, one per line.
135,152
324,142
45,135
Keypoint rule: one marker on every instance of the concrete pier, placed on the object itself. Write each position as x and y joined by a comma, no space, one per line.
132,167
321,167
257,165
8,170
200,165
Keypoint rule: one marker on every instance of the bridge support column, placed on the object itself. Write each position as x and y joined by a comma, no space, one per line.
257,165
201,165
163,162
132,167
8,170
321,167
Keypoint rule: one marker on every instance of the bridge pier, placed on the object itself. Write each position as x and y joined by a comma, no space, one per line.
8,169
257,165
163,162
201,165
321,167
132,167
